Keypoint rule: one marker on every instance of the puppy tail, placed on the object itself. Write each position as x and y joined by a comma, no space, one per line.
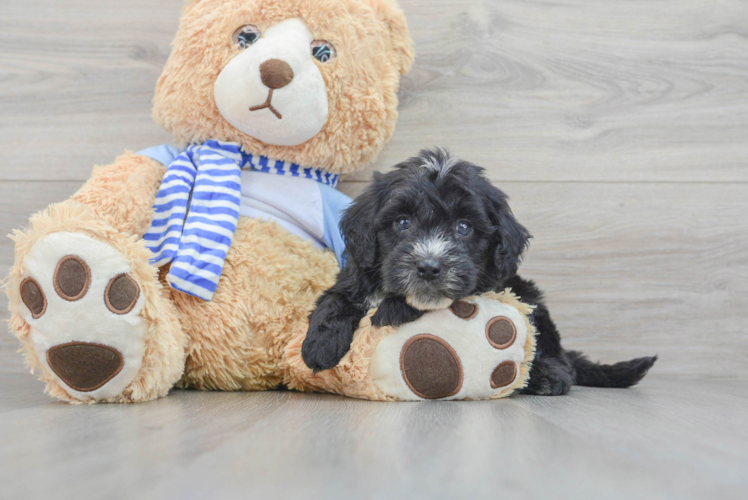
623,374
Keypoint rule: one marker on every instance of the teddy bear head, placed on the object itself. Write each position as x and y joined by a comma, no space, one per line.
311,82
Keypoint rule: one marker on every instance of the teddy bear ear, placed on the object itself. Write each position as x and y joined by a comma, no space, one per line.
402,44
188,4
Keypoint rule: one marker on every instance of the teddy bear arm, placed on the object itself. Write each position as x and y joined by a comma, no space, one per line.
122,193
480,348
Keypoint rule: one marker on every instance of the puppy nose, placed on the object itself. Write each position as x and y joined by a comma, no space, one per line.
429,269
275,73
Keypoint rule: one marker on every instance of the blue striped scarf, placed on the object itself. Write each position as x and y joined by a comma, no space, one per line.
197,210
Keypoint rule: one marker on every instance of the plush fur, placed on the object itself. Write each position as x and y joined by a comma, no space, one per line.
374,49
243,339
432,231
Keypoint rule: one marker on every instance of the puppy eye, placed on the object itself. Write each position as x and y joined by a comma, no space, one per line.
246,36
463,228
402,224
323,51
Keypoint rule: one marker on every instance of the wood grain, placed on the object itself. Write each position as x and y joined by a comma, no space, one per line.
580,90
667,438
533,90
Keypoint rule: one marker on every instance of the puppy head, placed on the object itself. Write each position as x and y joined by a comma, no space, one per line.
436,230
304,81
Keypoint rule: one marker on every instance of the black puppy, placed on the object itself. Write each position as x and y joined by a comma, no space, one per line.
432,231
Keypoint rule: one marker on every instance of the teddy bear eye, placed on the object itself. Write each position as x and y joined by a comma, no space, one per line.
323,51
246,36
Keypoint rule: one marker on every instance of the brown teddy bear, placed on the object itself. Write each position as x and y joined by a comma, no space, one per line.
198,267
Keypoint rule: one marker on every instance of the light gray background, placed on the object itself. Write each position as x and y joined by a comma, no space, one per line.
620,130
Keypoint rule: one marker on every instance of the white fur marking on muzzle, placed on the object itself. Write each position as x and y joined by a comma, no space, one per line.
433,246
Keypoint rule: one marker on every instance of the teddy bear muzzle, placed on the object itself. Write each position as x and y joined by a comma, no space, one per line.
273,90
275,74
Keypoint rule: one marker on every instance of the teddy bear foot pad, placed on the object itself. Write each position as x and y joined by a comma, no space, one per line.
473,350
83,306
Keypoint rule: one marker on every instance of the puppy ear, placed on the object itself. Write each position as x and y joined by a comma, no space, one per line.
358,225
512,238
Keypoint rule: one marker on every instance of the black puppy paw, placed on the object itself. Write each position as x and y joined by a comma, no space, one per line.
394,311
323,350
549,377
549,386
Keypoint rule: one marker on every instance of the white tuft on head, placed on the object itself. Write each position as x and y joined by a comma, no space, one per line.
439,161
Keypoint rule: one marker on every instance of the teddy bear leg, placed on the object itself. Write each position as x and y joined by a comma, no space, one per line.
269,283
87,307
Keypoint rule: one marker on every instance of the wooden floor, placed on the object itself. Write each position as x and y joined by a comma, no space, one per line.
668,438
620,130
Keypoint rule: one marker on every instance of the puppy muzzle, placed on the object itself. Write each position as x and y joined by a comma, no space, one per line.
428,272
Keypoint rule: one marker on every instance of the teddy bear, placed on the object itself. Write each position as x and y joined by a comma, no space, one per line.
197,267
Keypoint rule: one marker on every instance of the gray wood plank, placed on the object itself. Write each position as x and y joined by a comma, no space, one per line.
78,79
580,90
667,438
532,90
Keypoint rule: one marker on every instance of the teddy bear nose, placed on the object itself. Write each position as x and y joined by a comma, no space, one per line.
276,73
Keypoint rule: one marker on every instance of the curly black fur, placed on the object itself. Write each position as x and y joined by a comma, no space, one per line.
404,268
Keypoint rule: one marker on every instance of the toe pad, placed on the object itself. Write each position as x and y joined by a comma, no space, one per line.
121,294
33,297
72,278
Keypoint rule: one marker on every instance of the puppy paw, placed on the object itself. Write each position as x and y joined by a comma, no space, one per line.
549,378
394,311
549,386
322,349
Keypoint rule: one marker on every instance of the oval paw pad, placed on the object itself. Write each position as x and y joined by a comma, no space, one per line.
72,278
121,294
464,309
501,332
431,367
33,297
504,374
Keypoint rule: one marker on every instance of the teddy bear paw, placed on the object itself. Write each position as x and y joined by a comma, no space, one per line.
473,350
83,306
